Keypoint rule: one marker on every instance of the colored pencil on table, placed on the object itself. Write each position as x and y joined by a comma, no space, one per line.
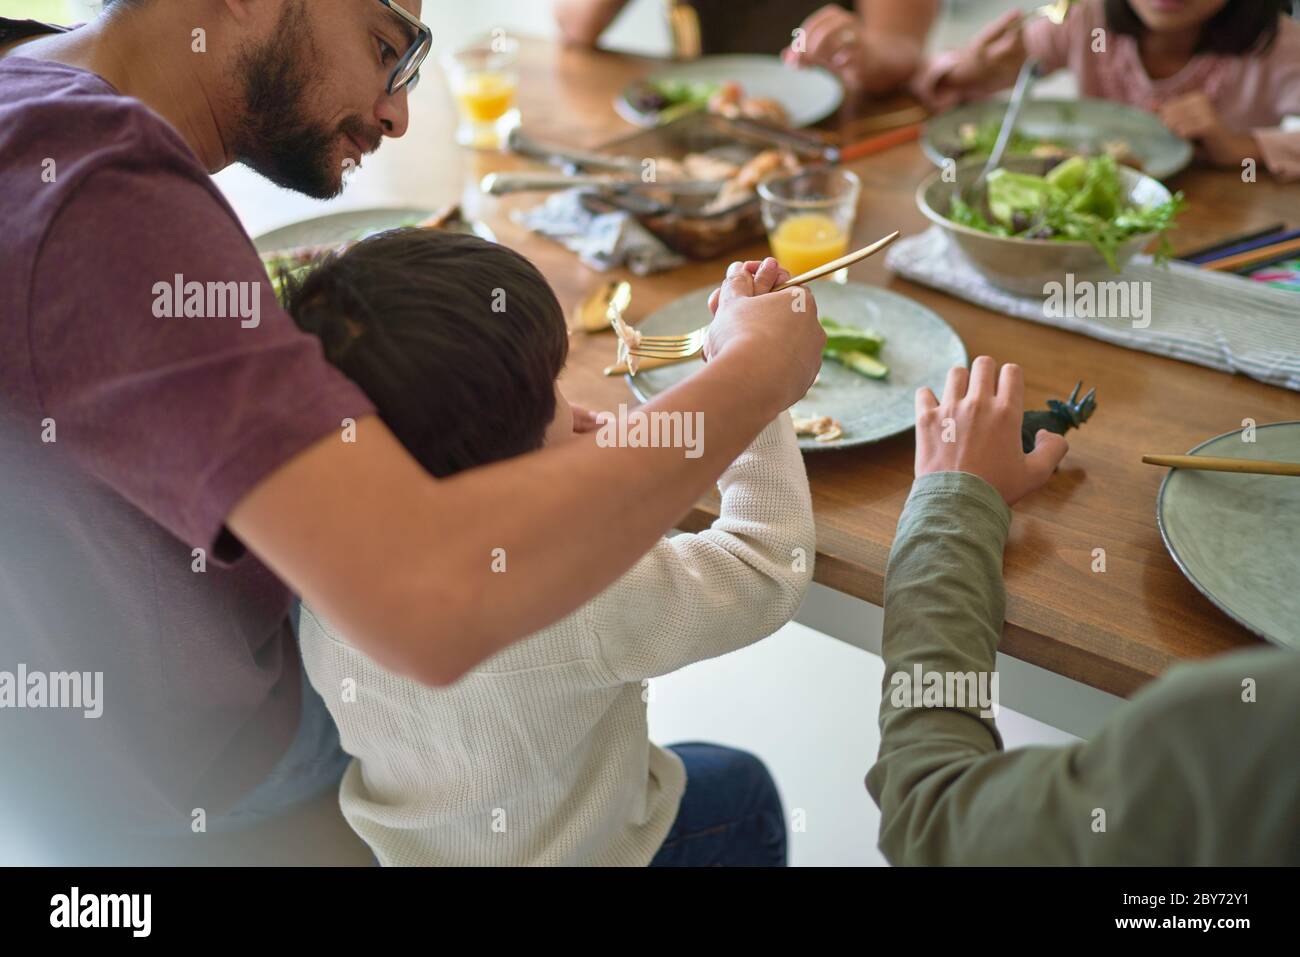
1223,246
1261,255
1246,247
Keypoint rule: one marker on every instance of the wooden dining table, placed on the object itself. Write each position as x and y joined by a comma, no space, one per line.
1110,630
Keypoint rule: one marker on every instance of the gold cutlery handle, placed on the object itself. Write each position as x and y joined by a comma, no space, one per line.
836,265
830,267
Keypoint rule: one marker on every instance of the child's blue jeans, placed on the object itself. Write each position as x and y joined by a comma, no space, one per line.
314,763
730,815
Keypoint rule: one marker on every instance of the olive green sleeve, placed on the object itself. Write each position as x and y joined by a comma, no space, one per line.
1198,768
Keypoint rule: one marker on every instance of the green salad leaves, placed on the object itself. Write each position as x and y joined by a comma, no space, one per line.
979,140
1080,200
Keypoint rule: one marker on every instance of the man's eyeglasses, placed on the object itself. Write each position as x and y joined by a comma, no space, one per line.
406,75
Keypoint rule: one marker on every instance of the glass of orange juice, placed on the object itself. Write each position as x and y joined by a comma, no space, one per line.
484,80
809,217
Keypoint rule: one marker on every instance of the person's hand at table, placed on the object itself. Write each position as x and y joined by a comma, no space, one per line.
832,38
777,333
976,429
773,274
873,50
1193,117
754,278
989,62
584,420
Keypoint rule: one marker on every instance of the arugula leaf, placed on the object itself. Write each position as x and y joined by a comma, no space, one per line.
966,215
980,140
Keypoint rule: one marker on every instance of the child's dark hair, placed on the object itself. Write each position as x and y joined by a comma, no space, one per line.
1242,27
456,340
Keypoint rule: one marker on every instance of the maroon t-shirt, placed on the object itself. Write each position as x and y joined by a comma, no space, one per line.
159,426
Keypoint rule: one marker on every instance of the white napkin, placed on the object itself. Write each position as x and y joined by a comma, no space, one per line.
603,241
1212,319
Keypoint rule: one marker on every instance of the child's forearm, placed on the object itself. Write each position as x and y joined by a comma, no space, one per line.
948,793
766,508
1280,151
698,596
955,76
893,41
1276,150
892,61
988,63
1231,148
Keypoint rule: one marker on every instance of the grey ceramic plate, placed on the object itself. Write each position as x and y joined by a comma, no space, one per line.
919,349
809,95
338,228
1237,537
1072,122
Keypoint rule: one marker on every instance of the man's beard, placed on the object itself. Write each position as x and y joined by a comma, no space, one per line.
275,135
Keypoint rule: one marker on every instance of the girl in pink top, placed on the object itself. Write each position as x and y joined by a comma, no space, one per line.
1222,73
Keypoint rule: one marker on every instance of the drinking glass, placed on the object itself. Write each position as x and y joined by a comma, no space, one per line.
484,80
809,217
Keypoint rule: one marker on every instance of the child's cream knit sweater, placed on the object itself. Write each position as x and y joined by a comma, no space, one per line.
541,755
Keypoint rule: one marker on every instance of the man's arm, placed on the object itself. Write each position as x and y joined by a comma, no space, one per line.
581,22
894,34
208,425
403,564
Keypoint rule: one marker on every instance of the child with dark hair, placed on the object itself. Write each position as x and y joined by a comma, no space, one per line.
1223,73
457,341
541,755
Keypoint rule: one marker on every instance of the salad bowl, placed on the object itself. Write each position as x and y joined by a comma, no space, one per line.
1025,266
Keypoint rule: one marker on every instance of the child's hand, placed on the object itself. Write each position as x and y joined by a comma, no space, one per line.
976,429
584,420
767,273
776,333
1193,117
990,62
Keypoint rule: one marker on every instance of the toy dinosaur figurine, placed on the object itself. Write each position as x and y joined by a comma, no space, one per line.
1060,417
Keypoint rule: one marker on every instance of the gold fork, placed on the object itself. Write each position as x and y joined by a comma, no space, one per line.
659,351
1056,11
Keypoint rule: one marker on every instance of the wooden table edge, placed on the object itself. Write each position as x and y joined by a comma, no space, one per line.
1024,644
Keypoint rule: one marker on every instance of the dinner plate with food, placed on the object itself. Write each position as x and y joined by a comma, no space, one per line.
1057,129
760,88
295,246
881,348
334,229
